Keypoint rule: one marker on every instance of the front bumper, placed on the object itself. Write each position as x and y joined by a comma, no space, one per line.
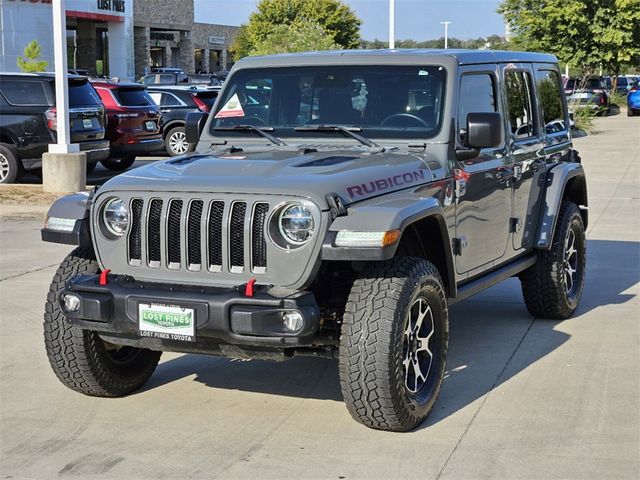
222,315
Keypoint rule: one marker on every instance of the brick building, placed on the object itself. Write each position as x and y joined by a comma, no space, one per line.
118,38
166,35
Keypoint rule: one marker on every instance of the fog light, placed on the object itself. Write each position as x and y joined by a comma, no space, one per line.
292,321
71,302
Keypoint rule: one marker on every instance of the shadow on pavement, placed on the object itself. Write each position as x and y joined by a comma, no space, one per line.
484,338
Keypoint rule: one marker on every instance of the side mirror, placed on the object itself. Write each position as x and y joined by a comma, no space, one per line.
484,130
194,125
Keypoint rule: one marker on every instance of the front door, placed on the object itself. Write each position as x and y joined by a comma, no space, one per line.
526,149
483,200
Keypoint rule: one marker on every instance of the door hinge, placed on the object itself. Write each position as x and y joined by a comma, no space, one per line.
515,225
458,244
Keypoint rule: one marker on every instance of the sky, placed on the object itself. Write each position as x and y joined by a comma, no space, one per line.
415,19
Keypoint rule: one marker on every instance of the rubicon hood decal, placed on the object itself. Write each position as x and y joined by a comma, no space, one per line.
369,188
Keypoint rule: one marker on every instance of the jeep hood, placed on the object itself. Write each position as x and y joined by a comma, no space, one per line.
353,174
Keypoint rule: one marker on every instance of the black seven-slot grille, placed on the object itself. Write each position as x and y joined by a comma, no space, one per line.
175,233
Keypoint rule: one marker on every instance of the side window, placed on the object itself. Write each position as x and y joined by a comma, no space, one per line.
24,93
169,100
477,95
157,97
520,104
549,86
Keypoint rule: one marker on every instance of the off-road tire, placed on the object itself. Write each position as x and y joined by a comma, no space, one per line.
544,285
118,164
80,358
168,139
372,375
12,169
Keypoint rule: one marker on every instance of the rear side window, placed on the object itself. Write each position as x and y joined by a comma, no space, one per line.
24,92
520,104
133,97
165,79
81,93
553,109
164,99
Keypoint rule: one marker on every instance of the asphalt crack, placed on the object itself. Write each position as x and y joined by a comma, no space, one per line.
22,274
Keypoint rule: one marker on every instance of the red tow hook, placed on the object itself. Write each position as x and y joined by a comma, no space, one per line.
248,289
103,277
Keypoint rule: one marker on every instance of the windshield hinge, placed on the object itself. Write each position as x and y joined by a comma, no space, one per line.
417,147
336,205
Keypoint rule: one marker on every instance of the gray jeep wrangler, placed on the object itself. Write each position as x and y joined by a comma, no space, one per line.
336,205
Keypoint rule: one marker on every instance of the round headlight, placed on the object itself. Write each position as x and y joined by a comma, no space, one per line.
116,216
296,223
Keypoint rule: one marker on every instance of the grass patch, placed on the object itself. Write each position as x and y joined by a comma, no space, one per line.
26,195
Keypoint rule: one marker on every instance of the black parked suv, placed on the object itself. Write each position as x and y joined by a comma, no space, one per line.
28,121
175,103
337,205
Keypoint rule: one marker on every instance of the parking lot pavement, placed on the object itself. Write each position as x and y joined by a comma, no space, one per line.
523,398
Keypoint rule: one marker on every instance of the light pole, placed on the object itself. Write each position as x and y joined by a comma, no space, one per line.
392,23
64,166
446,33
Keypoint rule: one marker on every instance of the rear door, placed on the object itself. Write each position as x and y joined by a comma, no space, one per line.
86,112
483,202
526,150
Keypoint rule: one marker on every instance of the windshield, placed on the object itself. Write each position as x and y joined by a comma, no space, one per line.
81,94
133,97
381,101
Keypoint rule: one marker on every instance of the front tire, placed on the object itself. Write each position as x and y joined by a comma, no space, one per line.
80,358
552,288
394,343
176,142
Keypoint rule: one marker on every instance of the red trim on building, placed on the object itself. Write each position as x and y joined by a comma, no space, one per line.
94,16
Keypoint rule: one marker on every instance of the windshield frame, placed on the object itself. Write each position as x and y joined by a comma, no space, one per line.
393,134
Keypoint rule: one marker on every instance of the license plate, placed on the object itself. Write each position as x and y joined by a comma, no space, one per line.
87,123
150,126
169,322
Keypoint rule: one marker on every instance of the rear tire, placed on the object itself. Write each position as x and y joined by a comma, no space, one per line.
553,286
630,112
176,142
393,345
11,169
80,358
118,164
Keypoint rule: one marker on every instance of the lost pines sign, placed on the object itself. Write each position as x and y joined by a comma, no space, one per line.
111,5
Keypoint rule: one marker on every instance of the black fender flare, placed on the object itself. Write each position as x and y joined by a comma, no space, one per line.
408,210
564,179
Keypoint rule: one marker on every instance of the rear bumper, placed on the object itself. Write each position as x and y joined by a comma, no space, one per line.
222,315
95,151
140,148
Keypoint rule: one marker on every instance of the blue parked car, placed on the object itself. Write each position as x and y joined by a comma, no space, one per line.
633,100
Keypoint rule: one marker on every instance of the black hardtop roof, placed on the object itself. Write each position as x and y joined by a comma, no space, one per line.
417,55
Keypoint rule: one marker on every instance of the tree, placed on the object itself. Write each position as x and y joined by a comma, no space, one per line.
584,33
301,36
30,62
336,19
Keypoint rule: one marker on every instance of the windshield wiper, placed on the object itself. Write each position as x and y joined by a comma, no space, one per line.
262,131
348,131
